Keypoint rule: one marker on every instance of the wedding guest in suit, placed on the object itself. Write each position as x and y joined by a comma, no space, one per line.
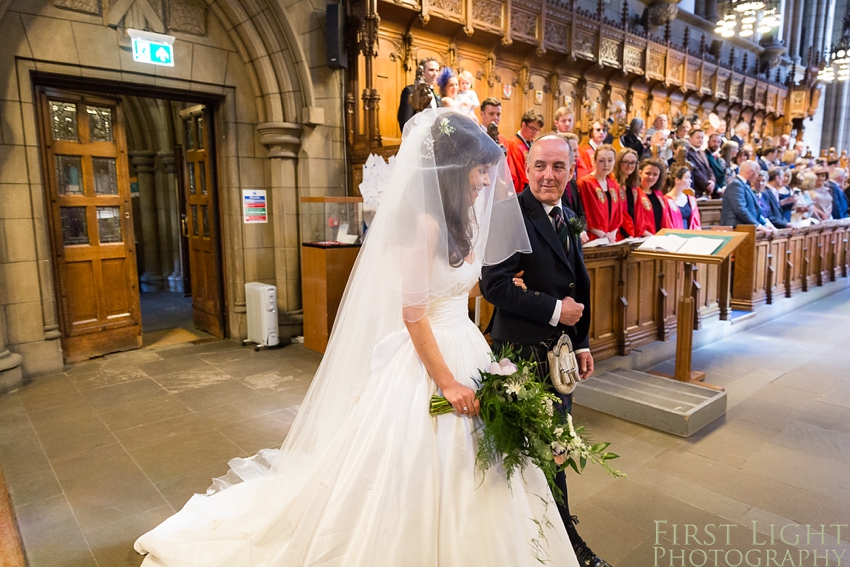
586,152
837,179
740,205
634,137
604,201
572,198
426,74
742,132
712,154
491,114
518,146
565,119
767,157
646,202
682,208
554,297
703,177
772,198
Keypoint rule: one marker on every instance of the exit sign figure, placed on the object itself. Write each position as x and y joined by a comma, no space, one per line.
153,48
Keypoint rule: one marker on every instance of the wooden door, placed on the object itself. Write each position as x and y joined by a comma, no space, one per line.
184,221
87,183
202,222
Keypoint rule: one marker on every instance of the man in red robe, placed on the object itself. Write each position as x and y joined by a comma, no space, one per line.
518,146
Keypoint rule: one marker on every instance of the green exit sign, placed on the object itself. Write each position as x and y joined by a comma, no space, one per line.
153,48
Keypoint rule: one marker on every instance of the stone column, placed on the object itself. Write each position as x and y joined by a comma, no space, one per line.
820,26
796,32
710,11
11,375
283,139
175,280
144,161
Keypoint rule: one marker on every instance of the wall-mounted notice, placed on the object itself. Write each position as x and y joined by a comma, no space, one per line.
254,206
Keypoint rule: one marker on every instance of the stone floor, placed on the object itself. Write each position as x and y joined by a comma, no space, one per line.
95,456
165,310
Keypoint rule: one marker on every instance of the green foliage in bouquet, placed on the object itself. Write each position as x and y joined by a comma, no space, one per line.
521,425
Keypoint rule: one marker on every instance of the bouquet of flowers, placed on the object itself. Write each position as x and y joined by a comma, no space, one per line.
522,427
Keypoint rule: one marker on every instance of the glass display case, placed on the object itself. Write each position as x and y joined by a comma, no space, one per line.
330,222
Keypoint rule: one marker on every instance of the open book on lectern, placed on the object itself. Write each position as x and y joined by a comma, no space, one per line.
696,245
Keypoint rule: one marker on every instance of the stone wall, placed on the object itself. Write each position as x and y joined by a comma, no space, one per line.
278,128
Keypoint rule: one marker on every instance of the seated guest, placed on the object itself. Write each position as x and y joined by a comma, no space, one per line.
616,114
571,193
728,153
682,209
586,152
821,195
802,183
660,123
646,203
718,168
770,195
786,195
767,187
604,202
767,157
626,174
837,180
740,204
742,132
702,174
426,79
518,146
564,120
634,137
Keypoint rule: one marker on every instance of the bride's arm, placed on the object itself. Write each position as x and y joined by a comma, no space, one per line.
429,353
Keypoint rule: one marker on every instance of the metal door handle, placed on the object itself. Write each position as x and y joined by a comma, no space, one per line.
185,227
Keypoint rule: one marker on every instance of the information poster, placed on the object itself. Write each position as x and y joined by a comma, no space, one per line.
254,209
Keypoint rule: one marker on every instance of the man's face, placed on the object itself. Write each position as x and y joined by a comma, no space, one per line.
750,172
548,168
598,133
431,72
529,130
714,142
491,115
565,123
696,139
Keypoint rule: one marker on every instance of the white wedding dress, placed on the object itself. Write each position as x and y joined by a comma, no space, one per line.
395,488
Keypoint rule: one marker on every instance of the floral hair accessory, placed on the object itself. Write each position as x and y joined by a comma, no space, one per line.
445,127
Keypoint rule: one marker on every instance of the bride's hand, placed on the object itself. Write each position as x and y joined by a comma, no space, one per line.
518,281
462,398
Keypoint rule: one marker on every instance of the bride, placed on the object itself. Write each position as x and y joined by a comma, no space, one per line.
366,477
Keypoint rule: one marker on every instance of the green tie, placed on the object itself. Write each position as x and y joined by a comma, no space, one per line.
561,228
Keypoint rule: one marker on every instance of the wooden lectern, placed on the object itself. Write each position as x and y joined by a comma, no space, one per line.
686,306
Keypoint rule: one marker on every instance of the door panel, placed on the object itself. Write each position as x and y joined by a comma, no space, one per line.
202,223
87,184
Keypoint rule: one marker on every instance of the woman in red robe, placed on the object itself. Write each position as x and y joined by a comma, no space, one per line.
626,173
603,199
681,204
650,212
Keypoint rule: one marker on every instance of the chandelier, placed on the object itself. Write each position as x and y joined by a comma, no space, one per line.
838,59
747,17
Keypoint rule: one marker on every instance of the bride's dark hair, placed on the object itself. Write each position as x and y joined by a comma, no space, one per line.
459,146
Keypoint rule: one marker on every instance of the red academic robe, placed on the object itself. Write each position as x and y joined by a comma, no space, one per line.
595,202
674,215
517,152
584,163
644,217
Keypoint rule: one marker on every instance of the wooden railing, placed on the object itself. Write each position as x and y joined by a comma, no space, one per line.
633,300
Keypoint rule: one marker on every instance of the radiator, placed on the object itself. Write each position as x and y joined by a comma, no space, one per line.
261,303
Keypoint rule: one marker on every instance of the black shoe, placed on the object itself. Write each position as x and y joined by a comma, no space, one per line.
586,557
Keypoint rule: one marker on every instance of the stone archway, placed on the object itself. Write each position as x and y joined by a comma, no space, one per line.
272,122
